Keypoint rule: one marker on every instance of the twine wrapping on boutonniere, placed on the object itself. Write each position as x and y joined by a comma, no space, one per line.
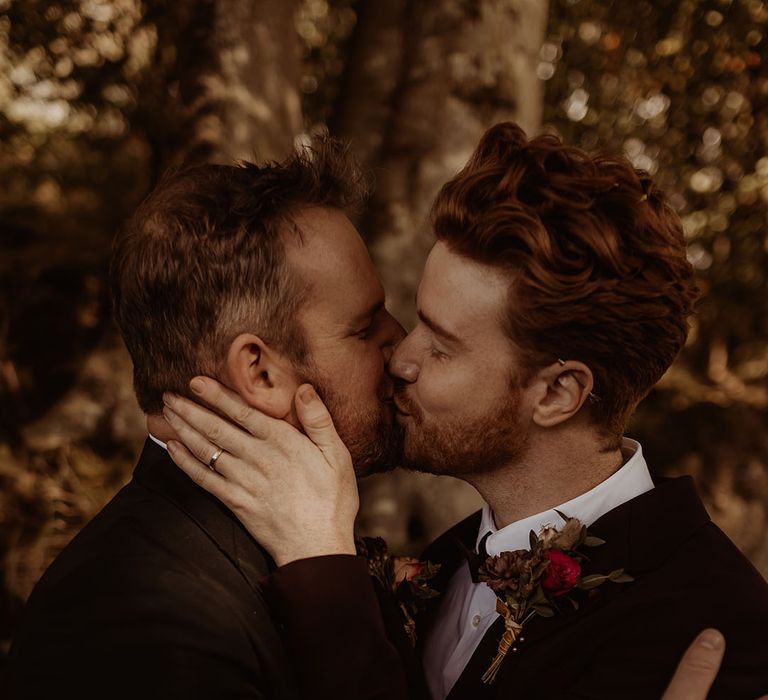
533,582
406,578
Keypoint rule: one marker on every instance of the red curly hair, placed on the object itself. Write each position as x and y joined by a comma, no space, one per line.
597,260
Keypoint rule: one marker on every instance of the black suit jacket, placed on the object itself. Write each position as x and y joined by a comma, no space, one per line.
158,597
626,640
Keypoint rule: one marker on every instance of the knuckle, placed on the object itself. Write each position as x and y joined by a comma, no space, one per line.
700,664
237,502
242,414
214,433
322,421
201,478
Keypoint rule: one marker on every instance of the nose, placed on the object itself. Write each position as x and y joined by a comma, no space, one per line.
401,367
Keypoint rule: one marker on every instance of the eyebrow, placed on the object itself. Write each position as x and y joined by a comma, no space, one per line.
437,328
370,312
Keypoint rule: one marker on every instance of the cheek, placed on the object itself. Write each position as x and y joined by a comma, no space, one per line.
455,391
441,390
366,372
357,372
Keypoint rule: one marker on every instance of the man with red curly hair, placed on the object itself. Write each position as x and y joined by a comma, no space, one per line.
557,295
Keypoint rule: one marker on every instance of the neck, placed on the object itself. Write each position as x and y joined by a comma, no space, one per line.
555,469
158,426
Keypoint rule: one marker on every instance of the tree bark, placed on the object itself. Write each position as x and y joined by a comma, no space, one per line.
467,66
234,76
438,74
225,87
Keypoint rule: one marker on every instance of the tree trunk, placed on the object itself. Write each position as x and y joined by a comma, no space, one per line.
462,66
234,74
225,88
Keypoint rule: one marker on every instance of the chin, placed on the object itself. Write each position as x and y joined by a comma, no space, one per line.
462,451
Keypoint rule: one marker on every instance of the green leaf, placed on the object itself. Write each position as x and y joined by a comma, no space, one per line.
593,581
622,578
539,596
592,541
543,610
533,539
574,602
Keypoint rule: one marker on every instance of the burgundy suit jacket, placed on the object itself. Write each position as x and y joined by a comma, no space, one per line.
625,642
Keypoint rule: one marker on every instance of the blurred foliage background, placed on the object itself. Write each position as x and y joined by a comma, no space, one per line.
97,97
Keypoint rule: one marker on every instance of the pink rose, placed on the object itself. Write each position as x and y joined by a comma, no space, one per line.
561,574
406,568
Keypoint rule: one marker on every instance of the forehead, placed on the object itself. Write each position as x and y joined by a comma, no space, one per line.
334,261
466,297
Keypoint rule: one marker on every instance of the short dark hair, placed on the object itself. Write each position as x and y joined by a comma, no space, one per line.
596,259
203,259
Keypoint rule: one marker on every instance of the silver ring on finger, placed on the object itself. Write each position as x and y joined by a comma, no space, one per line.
214,457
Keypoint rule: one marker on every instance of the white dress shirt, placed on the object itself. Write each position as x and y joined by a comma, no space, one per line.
468,609
158,442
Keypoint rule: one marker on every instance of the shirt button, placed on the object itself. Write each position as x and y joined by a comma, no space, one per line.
476,620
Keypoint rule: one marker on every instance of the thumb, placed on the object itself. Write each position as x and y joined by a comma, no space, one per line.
698,668
318,424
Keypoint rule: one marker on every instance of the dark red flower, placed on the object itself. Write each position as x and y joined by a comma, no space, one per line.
561,574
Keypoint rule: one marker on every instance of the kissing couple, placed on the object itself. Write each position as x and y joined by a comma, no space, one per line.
556,295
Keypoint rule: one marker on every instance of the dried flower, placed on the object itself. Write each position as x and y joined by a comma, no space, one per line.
407,568
570,536
527,581
510,571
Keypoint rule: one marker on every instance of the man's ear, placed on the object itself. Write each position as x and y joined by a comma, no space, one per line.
565,388
264,378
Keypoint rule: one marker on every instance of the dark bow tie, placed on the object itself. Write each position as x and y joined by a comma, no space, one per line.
476,559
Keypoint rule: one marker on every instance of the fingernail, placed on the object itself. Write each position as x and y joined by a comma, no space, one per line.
171,445
711,639
307,395
197,385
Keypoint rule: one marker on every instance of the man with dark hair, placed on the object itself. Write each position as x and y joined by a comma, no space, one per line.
556,296
253,275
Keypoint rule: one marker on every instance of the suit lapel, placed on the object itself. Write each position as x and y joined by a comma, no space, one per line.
639,536
157,472
448,551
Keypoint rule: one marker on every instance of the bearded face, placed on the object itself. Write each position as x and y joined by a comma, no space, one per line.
466,443
372,436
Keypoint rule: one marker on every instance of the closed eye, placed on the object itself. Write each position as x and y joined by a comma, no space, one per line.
437,354
365,333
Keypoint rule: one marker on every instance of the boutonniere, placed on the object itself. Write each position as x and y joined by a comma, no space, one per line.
535,582
406,578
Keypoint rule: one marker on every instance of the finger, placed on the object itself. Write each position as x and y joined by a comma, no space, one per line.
697,669
228,403
317,423
217,430
197,444
201,474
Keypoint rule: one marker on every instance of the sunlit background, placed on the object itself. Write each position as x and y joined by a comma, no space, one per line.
98,97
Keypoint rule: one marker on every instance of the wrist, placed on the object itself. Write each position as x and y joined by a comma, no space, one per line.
322,548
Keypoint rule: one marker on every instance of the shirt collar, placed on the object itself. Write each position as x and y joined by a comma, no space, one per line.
628,482
158,442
